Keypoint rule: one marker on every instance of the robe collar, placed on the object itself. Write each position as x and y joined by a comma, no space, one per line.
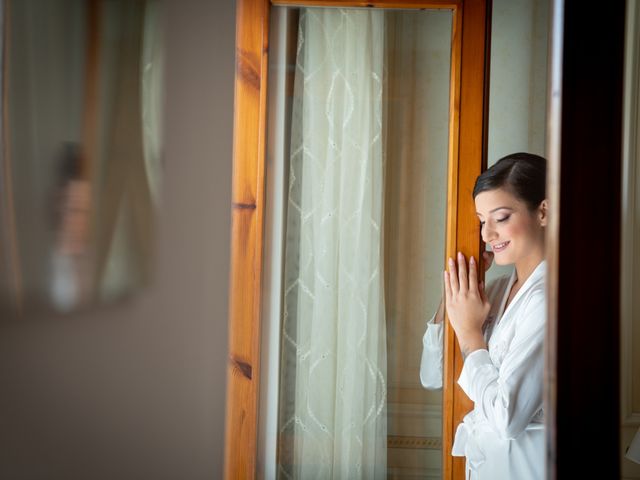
536,277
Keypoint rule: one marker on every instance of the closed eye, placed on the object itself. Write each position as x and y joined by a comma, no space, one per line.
503,219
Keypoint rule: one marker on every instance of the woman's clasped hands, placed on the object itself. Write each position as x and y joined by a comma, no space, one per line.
466,304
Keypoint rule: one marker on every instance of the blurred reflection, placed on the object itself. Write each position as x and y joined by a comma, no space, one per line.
81,150
71,226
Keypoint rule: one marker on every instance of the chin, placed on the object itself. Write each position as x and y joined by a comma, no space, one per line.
502,260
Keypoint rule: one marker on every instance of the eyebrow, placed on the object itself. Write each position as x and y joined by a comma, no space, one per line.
496,209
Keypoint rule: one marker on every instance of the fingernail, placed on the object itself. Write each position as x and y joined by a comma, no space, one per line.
451,260
472,260
459,254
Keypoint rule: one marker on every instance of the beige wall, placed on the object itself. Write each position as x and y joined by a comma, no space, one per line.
137,390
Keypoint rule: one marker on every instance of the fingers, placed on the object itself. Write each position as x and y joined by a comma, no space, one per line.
473,275
459,279
462,273
453,277
447,289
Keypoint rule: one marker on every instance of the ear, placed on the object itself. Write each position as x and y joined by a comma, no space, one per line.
543,215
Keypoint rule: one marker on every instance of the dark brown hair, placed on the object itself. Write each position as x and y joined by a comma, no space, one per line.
523,174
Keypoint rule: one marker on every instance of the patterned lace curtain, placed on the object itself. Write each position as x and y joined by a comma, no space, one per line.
333,380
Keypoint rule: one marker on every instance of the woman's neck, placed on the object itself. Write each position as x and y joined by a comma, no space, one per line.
526,266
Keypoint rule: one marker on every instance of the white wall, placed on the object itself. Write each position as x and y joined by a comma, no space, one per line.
137,390
518,77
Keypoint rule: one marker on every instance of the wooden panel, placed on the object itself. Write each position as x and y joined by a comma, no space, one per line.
246,238
583,296
468,142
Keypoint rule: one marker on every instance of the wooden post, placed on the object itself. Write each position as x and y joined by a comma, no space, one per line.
466,160
246,238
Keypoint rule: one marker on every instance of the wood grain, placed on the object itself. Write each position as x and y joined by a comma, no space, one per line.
467,152
246,238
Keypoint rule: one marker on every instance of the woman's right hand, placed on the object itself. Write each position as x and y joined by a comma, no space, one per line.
488,261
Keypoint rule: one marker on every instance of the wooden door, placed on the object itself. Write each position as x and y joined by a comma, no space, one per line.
467,139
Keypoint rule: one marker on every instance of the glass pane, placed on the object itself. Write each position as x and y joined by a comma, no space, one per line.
358,126
81,151
419,53
517,83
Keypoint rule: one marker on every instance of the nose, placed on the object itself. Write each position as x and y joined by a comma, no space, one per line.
488,233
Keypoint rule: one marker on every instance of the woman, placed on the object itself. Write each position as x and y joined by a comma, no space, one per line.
501,330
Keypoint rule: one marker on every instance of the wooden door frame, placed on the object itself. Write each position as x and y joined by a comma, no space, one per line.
467,147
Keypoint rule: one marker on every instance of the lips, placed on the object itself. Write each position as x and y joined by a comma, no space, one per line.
498,247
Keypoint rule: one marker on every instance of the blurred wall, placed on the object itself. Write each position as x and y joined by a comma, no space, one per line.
137,390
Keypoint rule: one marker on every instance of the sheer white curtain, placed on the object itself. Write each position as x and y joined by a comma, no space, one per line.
333,396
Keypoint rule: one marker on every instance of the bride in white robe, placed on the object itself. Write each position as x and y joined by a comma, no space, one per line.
500,330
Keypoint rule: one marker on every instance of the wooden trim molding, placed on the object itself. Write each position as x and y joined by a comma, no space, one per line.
468,147
554,121
413,443
243,371
466,158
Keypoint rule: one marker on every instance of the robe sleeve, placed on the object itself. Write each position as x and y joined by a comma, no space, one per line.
431,361
509,397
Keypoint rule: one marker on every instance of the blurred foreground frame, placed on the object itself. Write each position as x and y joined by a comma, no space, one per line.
81,151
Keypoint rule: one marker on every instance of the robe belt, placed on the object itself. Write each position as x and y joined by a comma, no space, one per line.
466,442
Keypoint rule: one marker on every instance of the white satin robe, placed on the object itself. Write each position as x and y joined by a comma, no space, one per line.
503,436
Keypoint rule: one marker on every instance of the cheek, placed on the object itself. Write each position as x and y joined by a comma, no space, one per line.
513,230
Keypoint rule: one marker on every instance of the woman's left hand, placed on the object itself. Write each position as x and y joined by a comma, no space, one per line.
466,304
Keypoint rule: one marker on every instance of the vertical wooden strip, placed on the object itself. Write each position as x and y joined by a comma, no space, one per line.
448,427
463,232
584,296
246,238
554,121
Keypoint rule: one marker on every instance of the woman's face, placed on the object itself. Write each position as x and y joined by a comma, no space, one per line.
514,232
